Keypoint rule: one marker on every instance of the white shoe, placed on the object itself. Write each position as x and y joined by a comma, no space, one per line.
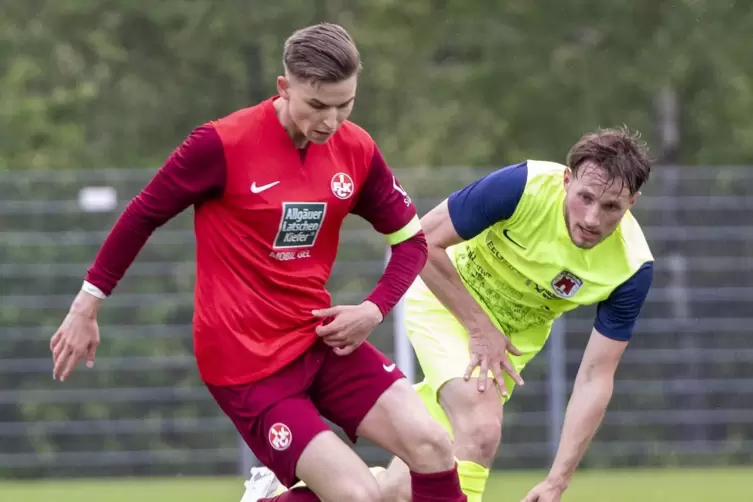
260,485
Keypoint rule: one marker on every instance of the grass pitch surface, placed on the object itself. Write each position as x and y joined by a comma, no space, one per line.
658,485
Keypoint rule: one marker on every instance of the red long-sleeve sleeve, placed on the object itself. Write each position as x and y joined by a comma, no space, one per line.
406,261
386,205
194,172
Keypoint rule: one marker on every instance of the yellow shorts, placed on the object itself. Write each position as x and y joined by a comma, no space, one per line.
441,346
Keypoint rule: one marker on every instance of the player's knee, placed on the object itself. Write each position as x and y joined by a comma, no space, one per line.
478,438
431,449
476,420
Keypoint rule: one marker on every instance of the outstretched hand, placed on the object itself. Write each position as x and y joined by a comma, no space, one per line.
544,492
76,339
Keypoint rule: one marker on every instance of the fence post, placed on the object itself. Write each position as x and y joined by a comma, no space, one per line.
557,394
404,355
247,459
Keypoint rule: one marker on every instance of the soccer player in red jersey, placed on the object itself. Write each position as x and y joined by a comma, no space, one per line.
271,185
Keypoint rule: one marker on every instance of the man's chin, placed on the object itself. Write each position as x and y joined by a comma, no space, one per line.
583,239
318,138
585,244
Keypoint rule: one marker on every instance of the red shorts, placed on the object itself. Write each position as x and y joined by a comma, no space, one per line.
280,414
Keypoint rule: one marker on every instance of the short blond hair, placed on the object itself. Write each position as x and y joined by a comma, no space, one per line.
323,52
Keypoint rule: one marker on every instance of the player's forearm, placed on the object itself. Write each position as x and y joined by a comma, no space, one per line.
406,261
585,411
120,248
441,277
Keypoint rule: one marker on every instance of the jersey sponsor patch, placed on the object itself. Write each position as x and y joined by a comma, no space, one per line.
300,224
566,284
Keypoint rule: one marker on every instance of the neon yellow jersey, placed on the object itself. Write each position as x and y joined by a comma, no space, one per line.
521,266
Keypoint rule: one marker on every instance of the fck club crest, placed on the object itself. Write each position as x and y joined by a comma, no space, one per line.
280,436
342,185
566,284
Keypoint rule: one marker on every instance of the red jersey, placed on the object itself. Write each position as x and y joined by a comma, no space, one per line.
267,225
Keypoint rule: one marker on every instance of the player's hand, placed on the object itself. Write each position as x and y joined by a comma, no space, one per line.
544,492
77,338
350,326
489,349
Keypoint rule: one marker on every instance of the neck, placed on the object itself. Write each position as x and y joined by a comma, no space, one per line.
283,115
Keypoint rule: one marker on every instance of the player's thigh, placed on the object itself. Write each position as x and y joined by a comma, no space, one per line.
346,387
400,423
477,416
277,434
367,395
442,347
439,341
293,441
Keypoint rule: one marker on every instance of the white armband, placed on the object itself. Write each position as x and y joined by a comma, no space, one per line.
93,290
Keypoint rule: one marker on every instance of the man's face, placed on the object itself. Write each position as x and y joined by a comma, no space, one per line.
594,206
318,109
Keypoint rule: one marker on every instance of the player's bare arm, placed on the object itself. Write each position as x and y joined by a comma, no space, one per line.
194,172
489,346
441,277
592,392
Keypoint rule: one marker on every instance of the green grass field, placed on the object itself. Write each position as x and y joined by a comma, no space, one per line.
589,486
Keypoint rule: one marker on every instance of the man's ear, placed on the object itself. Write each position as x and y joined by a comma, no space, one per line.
567,176
283,85
634,198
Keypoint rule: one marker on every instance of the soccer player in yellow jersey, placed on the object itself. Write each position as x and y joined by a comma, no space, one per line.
508,254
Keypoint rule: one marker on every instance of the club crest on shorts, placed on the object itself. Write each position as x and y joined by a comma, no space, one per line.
342,185
280,436
566,284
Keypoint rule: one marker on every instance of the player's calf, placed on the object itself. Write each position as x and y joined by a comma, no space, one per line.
334,471
476,422
399,423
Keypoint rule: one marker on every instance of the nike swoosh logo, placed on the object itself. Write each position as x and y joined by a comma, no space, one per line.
390,368
260,189
505,232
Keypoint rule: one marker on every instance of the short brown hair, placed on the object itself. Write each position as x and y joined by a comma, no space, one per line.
621,154
323,52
